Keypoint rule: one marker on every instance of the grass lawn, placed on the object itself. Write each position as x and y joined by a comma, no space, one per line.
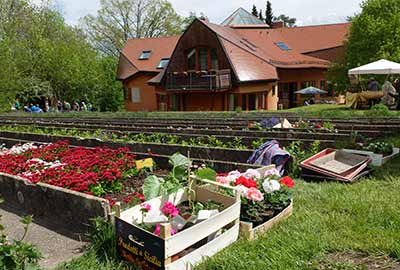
319,110
330,222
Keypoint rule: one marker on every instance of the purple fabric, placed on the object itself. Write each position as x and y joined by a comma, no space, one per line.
270,153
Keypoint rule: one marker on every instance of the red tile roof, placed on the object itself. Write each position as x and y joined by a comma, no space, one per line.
161,47
253,52
315,38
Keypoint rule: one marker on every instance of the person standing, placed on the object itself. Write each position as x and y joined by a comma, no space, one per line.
397,87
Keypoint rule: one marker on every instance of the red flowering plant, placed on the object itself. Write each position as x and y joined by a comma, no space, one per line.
263,195
97,171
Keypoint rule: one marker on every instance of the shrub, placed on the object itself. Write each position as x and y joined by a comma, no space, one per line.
378,110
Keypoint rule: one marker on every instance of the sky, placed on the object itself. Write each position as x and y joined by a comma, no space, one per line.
307,12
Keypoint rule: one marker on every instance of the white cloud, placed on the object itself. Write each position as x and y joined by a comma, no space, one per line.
306,11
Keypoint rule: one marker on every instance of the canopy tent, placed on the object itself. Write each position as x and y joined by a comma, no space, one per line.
310,91
379,67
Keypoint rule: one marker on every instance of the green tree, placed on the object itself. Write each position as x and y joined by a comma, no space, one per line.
254,11
288,21
374,34
120,20
269,16
260,15
189,19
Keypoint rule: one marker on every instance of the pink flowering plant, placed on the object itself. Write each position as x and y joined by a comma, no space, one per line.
263,195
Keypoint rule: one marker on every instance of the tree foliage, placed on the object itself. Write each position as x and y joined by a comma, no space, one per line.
374,34
254,11
40,55
120,20
269,16
288,21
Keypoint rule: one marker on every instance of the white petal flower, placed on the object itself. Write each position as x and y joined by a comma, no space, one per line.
252,173
270,186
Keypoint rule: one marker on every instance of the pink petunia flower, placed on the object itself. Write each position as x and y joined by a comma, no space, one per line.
254,195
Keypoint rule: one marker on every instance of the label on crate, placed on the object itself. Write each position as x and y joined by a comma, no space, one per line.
138,246
144,163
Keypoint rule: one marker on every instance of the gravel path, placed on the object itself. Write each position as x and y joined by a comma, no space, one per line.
55,247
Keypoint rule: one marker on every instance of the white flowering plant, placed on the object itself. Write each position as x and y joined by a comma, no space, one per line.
263,195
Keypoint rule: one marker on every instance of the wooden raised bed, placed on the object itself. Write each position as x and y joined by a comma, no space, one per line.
171,252
248,232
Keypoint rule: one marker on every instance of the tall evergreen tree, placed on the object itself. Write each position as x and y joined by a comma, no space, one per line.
260,15
254,11
269,16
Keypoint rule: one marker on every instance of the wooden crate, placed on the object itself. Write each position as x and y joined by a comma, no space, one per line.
248,232
160,252
377,159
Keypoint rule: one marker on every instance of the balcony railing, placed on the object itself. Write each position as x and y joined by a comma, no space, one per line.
199,80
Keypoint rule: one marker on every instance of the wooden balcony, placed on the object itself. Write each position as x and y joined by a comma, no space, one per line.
199,80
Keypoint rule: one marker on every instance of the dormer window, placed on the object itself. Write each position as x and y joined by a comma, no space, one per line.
163,63
145,55
283,46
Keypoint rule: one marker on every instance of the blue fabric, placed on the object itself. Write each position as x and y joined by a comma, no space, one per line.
269,122
270,153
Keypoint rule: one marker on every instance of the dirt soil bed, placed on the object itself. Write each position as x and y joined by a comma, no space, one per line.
357,261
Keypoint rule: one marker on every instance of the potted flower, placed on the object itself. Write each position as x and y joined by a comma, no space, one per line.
266,197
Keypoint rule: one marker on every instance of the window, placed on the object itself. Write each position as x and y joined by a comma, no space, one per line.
307,84
203,58
135,95
191,59
145,55
283,46
214,59
323,85
163,63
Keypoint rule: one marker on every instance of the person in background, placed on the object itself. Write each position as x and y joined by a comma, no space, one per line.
83,106
67,106
75,107
90,107
397,87
389,95
17,105
59,106
372,85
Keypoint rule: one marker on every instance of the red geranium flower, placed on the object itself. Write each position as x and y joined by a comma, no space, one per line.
287,181
249,183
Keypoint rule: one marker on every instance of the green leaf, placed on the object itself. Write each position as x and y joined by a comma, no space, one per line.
206,173
179,160
152,187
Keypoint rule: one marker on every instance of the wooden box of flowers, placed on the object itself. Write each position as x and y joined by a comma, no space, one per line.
266,198
180,223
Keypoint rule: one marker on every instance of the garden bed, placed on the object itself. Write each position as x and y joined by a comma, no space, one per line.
249,231
186,247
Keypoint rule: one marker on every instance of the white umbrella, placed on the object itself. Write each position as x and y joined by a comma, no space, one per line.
379,67
310,91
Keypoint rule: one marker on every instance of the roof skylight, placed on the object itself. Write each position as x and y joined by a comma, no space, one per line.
283,46
145,55
163,63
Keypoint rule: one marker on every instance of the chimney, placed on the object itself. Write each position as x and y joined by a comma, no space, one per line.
278,24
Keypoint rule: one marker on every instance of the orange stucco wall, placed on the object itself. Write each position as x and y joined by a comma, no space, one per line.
298,76
204,102
148,100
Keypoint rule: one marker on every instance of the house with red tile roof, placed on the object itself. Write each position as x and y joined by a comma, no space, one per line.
240,63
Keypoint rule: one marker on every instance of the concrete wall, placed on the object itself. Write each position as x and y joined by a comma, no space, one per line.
62,207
